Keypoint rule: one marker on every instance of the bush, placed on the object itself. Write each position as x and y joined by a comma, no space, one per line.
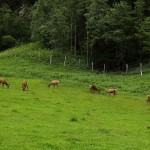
8,41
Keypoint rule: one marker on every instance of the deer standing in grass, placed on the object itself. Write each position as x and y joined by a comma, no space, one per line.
4,82
24,85
94,88
111,91
54,83
148,98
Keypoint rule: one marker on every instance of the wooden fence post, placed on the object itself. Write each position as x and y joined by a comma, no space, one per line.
104,68
126,68
92,66
141,69
79,62
50,59
65,61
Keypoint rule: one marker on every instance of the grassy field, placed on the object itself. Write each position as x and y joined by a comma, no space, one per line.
70,117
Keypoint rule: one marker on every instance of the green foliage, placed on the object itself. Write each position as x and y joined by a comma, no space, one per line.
49,24
102,31
118,22
144,34
111,29
139,10
8,41
5,21
15,24
97,9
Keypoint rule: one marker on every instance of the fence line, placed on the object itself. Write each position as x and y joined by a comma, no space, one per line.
52,60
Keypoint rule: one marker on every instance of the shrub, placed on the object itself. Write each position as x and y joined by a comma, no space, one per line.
8,41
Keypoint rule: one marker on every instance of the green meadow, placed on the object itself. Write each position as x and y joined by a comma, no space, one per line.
70,117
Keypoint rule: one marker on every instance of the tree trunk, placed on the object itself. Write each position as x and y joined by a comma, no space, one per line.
75,38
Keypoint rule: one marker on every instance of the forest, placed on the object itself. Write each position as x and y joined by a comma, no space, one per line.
115,32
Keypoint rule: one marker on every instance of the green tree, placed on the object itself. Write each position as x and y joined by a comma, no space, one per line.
119,28
96,10
5,27
5,21
11,21
139,10
144,36
49,24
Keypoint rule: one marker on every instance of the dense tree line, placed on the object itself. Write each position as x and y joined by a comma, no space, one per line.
103,31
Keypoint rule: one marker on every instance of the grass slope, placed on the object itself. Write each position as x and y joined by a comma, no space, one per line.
70,117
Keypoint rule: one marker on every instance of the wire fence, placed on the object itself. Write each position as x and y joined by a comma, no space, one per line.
61,59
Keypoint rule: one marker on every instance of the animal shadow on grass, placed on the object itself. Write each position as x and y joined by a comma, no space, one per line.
73,140
15,111
103,131
74,119
148,127
50,146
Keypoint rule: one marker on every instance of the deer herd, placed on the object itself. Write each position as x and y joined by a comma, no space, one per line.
92,87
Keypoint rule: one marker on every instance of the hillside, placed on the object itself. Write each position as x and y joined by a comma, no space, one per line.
70,117
30,61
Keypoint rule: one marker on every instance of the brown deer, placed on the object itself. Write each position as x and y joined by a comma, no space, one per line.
54,83
4,82
111,91
148,98
94,88
24,85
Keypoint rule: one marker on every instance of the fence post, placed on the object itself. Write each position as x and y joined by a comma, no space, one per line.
92,66
141,69
126,68
65,61
104,68
79,62
50,59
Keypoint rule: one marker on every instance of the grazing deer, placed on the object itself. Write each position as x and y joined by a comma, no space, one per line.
4,82
148,98
54,83
94,88
111,91
24,85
